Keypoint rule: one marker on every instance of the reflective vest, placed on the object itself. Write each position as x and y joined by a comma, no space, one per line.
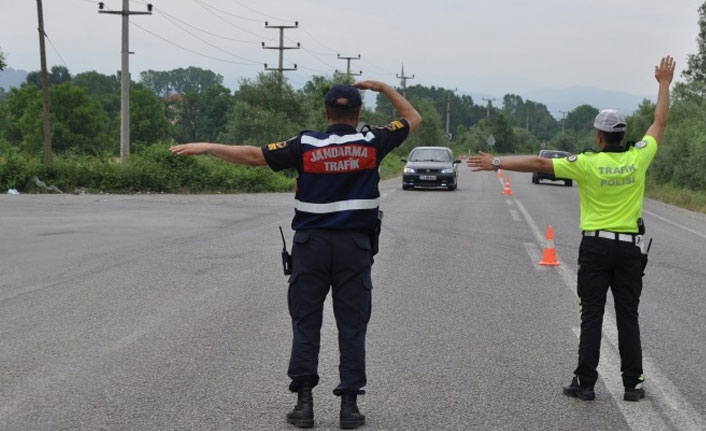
338,184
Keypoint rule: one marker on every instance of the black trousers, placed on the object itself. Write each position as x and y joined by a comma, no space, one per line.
340,260
616,264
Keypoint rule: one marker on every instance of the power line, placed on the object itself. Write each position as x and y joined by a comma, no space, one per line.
206,8
167,15
259,13
210,44
56,51
348,65
333,51
403,81
191,50
230,14
281,46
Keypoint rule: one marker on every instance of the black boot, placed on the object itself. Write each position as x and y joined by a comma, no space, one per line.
579,391
350,415
303,414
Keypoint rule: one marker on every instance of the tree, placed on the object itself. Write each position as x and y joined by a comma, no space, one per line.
2,61
695,72
581,118
430,133
57,75
503,134
148,123
266,109
200,116
78,121
191,79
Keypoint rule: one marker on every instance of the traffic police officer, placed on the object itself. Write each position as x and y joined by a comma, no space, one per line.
611,187
336,214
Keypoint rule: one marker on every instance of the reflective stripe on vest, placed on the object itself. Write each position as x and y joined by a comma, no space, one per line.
336,140
354,204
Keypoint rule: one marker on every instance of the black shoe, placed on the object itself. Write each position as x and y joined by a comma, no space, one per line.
303,414
577,391
634,394
350,415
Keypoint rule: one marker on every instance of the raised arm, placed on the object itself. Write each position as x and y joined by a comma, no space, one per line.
238,154
664,73
484,162
401,105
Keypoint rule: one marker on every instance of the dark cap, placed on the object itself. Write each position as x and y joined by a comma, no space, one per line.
347,92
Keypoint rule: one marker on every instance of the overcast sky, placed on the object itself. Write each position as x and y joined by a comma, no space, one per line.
480,46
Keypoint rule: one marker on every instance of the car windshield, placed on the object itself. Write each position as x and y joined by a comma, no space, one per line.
553,154
430,155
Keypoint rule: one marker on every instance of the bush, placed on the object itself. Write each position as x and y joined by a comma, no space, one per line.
154,169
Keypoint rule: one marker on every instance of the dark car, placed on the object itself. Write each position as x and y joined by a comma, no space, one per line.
430,167
551,154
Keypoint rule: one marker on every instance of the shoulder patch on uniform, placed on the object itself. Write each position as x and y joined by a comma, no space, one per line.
640,145
278,145
392,126
572,158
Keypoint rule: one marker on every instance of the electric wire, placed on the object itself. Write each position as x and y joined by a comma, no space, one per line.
206,8
257,12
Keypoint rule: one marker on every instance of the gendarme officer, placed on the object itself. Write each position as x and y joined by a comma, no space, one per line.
335,217
611,186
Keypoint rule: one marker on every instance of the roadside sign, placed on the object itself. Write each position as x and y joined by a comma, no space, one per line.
491,141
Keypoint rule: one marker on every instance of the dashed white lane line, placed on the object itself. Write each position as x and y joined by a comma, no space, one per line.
535,255
515,215
662,394
695,232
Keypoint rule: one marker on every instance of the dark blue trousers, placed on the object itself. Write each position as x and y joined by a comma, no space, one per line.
605,263
340,261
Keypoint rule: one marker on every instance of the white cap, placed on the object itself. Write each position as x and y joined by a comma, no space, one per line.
610,120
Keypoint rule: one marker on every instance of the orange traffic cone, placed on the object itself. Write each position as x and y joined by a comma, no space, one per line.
507,190
549,255
500,173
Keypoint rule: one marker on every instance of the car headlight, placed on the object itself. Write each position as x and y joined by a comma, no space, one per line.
408,170
447,171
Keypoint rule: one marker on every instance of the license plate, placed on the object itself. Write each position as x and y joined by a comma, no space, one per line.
427,177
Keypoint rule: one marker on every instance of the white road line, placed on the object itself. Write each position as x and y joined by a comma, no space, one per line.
639,416
662,394
515,215
702,235
534,255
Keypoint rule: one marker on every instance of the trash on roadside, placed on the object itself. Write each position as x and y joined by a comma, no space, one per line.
41,184
13,192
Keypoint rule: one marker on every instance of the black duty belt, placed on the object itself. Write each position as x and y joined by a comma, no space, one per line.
627,237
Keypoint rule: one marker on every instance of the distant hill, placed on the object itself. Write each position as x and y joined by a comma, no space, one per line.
12,78
567,99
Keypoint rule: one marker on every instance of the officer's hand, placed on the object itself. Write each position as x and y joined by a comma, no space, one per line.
190,149
665,71
481,162
375,86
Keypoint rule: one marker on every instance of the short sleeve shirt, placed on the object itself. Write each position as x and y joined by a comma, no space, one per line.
611,185
288,154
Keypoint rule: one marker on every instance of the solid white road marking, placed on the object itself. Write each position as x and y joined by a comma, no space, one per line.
675,224
661,392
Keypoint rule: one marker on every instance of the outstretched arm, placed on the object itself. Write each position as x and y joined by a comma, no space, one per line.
664,73
401,105
238,154
484,162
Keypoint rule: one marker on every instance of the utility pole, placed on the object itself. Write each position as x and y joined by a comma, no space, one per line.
403,81
45,86
489,102
348,65
125,74
448,110
280,68
563,120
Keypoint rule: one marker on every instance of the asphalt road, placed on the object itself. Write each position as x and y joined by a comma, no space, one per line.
163,312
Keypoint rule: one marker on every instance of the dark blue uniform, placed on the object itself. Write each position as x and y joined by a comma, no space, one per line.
337,204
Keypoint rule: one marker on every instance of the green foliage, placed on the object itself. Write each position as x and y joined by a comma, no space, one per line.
581,118
148,123
155,169
503,134
200,116
533,116
189,80
3,64
429,134
696,65
57,75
